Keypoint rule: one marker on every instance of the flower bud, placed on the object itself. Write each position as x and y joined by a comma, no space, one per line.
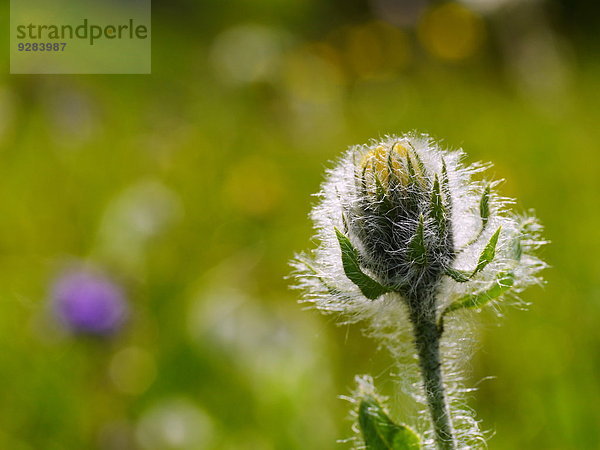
89,303
403,216
399,216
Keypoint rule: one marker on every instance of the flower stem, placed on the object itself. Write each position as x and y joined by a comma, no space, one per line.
427,341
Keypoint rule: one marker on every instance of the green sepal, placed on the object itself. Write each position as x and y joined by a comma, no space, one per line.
517,246
503,282
380,432
416,173
368,286
393,180
363,181
484,206
412,178
489,252
345,222
419,161
484,213
445,179
517,249
380,194
445,186
438,212
417,251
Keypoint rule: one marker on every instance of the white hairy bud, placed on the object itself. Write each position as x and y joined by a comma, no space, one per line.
406,237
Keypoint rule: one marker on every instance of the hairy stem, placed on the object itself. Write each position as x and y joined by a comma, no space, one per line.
427,341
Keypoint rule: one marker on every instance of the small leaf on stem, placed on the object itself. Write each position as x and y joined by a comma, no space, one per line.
487,256
380,432
488,253
503,282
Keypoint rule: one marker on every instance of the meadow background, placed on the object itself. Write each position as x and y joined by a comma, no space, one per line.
191,188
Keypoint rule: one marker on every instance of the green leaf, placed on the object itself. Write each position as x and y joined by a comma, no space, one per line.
368,286
438,212
488,253
487,256
380,433
503,282
417,251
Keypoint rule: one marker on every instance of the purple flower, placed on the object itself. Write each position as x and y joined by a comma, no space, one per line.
87,302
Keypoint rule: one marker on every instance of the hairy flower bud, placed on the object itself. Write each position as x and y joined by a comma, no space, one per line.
406,216
400,216
406,237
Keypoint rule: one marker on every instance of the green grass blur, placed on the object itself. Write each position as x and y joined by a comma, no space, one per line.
192,186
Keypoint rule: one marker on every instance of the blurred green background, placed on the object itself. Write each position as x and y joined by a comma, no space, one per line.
192,186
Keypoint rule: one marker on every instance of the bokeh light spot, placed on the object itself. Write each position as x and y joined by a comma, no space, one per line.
174,424
376,49
307,76
451,32
247,53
